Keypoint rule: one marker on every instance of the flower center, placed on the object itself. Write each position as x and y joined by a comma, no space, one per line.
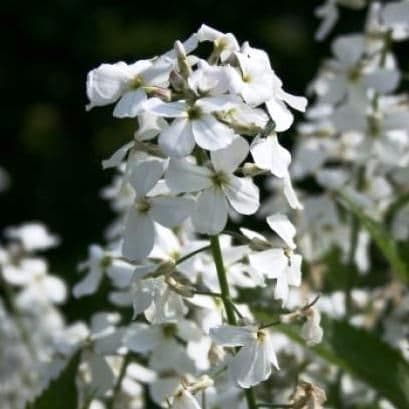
169,330
354,75
142,206
194,112
261,335
219,179
247,78
136,82
105,262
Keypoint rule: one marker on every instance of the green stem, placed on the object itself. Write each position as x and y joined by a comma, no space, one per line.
222,277
118,383
225,291
193,253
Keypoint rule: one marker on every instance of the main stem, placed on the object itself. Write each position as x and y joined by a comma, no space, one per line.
225,292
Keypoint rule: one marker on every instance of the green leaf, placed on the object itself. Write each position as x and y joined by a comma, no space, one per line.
397,205
380,236
61,393
361,354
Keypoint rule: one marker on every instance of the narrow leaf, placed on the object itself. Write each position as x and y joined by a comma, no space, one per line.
61,393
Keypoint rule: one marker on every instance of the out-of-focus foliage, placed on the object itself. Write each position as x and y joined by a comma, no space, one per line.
62,392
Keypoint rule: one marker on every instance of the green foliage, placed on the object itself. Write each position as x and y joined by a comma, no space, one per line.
380,236
61,393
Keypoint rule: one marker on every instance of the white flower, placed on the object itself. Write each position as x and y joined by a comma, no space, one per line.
225,44
194,123
38,286
258,83
269,155
139,232
311,331
98,263
329,14
127,84
282,264
252,363
219,187
33,236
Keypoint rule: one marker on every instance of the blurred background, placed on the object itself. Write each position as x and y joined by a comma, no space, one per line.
52,148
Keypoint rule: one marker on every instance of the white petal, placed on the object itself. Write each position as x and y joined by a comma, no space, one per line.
142,338
121,273
251,365
219,103
207,33
290,194
296,102
54,288
270,262
184,176
171,211
106,83
294,270
117,157
268,154
177,140
210,213
139,235
243,194
144,176
89,284
130,104
311,331
349,48
383,80
166,109
211,134
150,125
283,227
163,387
280,114
281,290
228,159
108,344
142,297
231,336
396,13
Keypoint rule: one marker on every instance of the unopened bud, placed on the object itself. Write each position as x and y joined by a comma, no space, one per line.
160,92
203,383
183,63
250,169
165,268
182,289
290,317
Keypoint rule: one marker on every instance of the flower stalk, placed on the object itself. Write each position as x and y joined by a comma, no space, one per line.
225,292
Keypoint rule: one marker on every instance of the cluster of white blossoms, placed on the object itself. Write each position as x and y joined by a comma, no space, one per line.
206,128
30,321
355,143
356,139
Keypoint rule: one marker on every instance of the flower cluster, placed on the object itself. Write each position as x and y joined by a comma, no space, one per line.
354,145
31,325
356,139
169,256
